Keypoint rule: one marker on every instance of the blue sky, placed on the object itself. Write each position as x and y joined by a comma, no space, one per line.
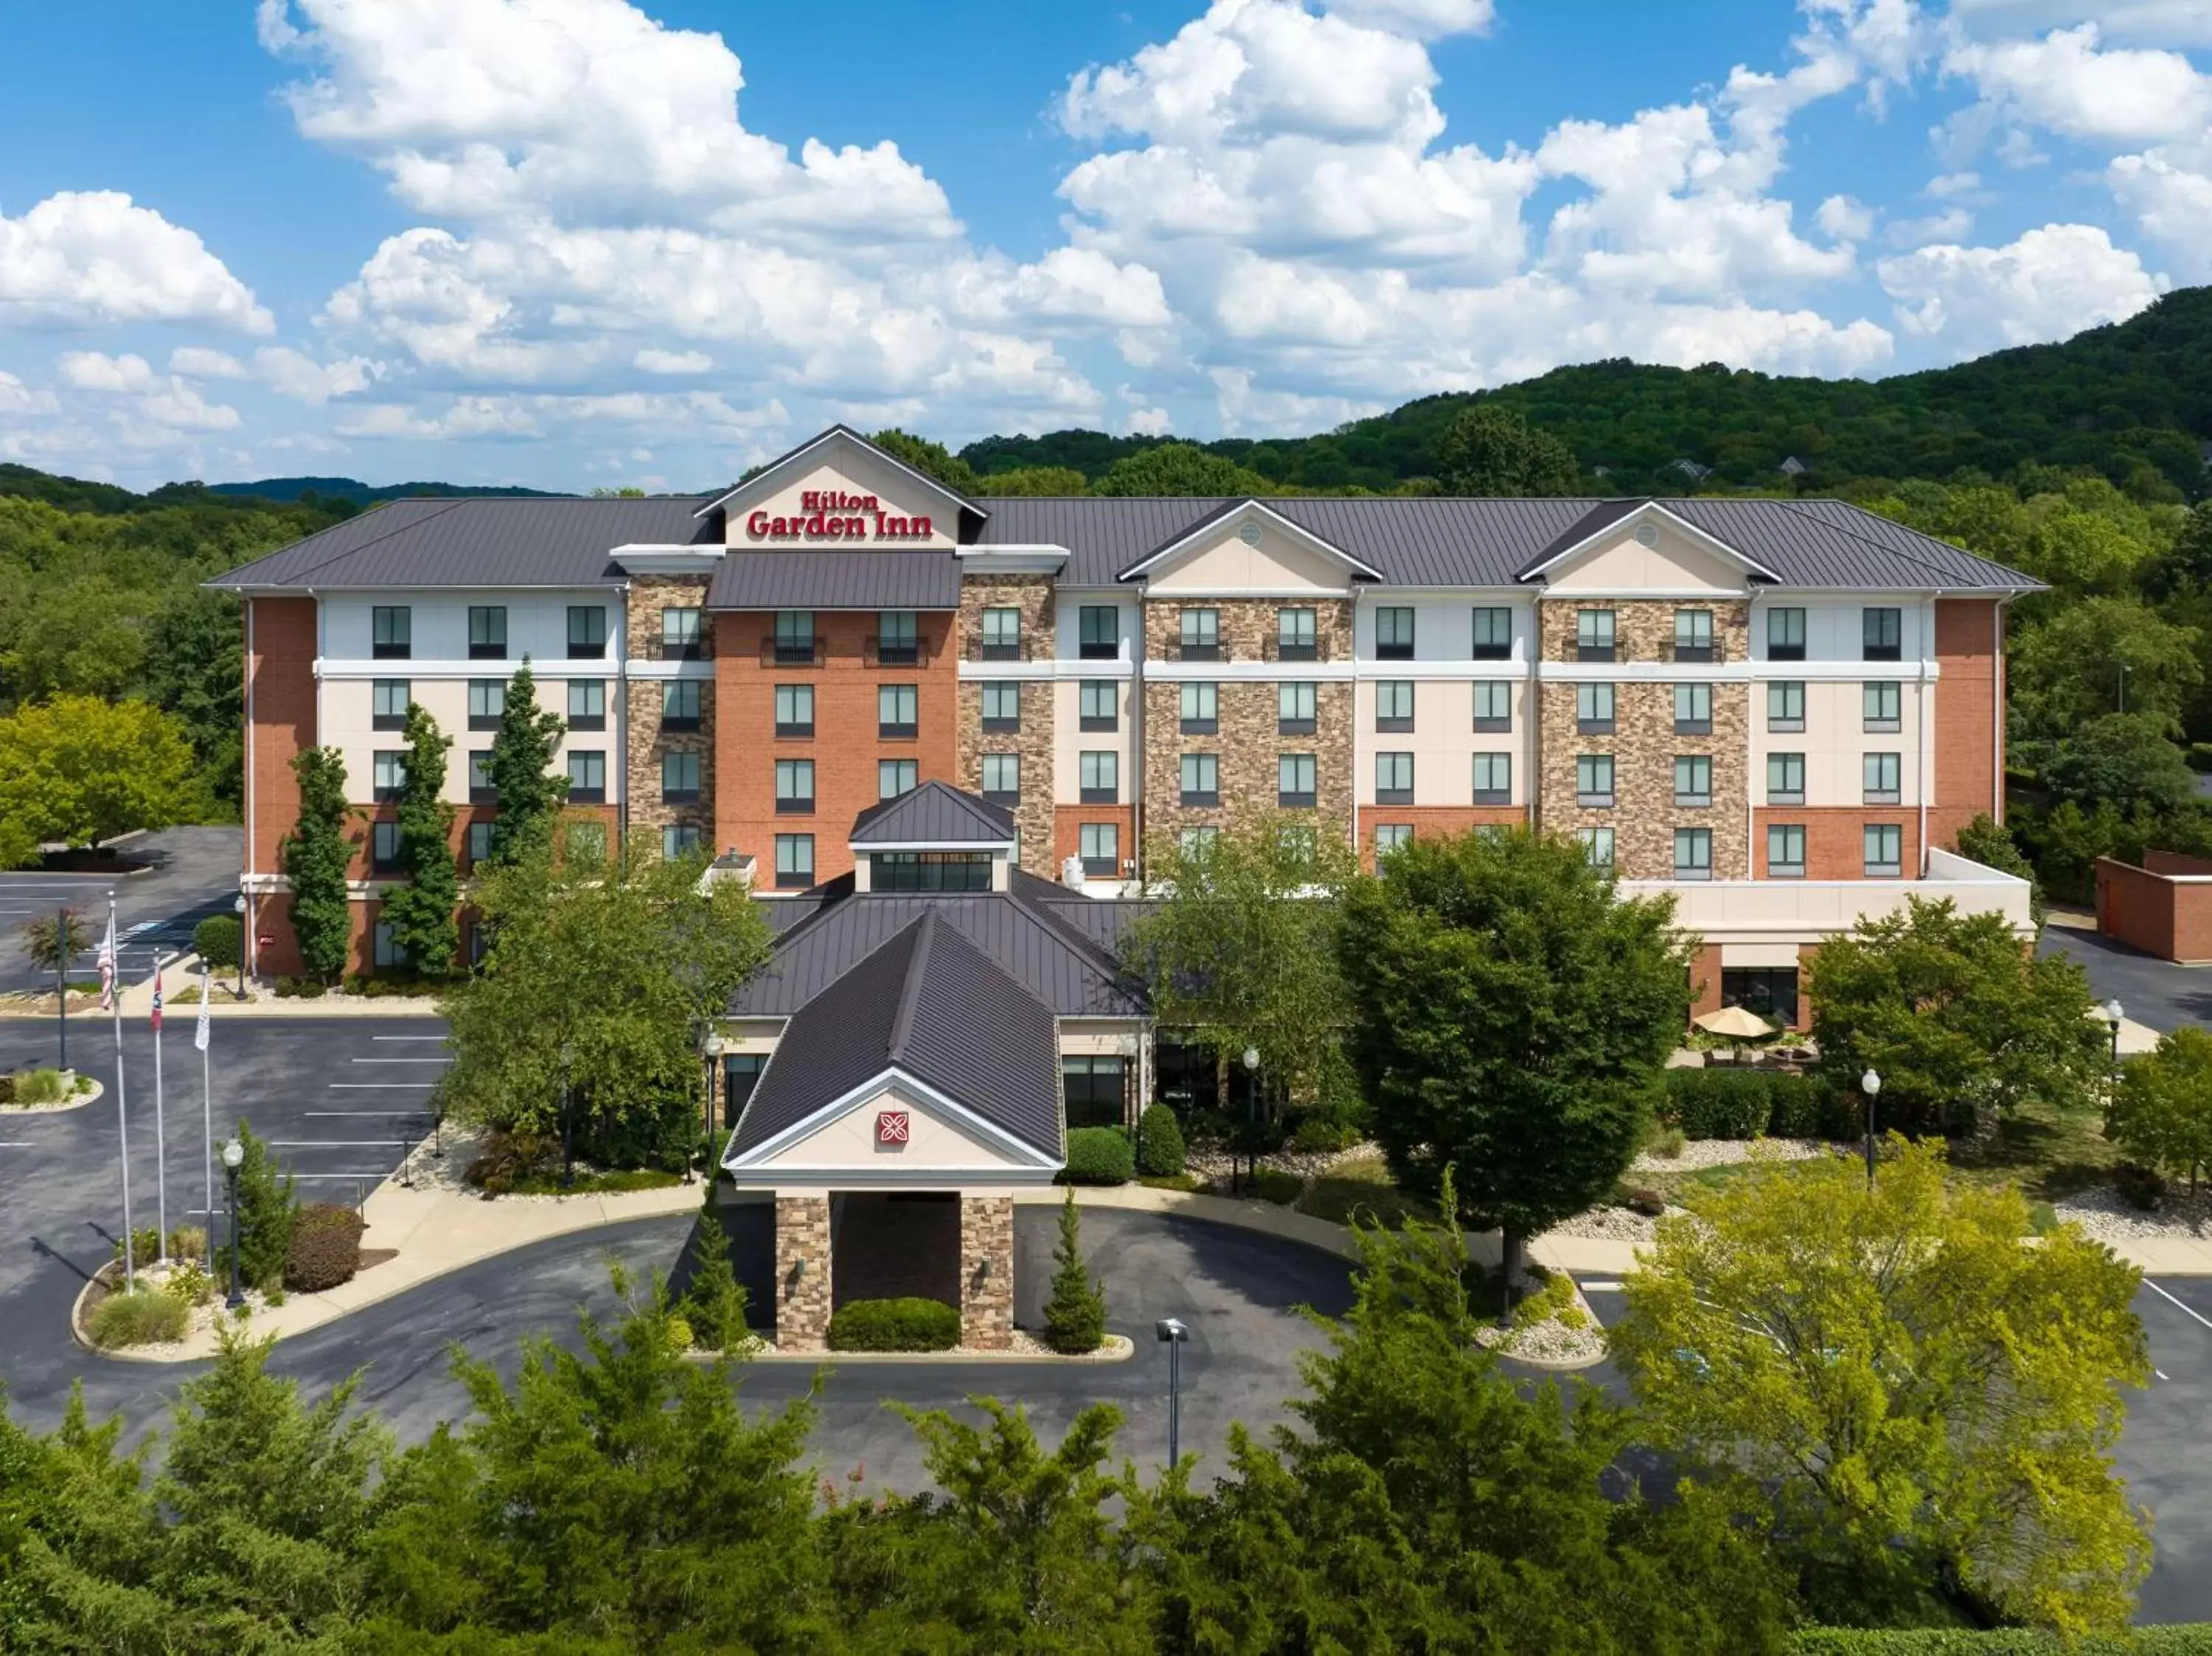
580,242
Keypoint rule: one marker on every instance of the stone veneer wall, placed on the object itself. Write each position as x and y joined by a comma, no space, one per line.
1033,817
648,595
987,1272
802,1308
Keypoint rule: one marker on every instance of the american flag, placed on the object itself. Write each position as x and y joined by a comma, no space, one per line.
107,966
157,998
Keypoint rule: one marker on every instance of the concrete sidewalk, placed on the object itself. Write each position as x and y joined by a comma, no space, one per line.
184,972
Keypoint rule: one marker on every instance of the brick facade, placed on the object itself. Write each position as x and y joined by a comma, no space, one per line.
987,1272
280,692
803,1281
1968,756
647,812
1835,837
1433,823
1033,742
1068,822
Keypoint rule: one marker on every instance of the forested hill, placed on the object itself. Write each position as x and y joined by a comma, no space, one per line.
2135,395
352,488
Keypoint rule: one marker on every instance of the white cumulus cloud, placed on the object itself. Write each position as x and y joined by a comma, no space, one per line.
2050,282
93,258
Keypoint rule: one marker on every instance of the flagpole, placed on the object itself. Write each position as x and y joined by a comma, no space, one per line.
111,969
160,1133
207,1105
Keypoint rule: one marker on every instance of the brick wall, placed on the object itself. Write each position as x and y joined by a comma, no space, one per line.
1968,741
2147,909
1835,837
648,743
1704,979
1068,822
280,682
1434,821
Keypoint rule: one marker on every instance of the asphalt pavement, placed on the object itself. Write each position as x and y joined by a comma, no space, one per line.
192,873
2154,992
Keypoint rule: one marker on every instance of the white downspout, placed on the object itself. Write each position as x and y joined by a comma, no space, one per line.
253,952
1928,688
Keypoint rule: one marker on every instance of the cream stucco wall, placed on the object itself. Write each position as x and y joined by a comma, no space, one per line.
1835,741
1443,740
1443,628
1070,740
537,622
937,1143
848,468
349,707
1622,564
1222,565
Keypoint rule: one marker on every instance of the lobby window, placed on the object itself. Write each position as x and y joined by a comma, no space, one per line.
1393,779
1693,780
1597,845
391,632
1769,990
388,704
1394,633
896,776
1885,850
1099,705
679,633
930,870
1594,635
1882,704
1199,637
479,849
1694,635
1002,709
1294,781
794,710
1785,636
898,638
1002,634
1100,777
487,703
1785,779
678,840
480,790
1693,710
1493,706
794,638
794,861
1294,709
384,946
679,704
1785,705
587,703
587,776
1198,842
1594,781
1785,850
487,632
1098,627
584,842
1493,635
794,787
741,1073
1881,634
1394,704
1002,779
1099,844
388,774
1391,836
384,848
1593,709
1201,779
1200,705
1493,778
588,631
679,779
1881,777
1093,1088
1295,639
897,711
1693,853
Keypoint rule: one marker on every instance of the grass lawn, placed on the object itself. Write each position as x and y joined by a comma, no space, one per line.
1364,1187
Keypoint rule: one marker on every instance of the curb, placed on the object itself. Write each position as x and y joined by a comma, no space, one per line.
75,1102
1118,1348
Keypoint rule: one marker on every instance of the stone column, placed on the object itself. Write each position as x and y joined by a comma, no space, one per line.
802,1295
987,1272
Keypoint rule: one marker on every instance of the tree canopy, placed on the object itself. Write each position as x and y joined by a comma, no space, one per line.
79,770
520,768
2162,1112
1488,449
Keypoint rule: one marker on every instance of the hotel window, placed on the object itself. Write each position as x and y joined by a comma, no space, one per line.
588,631
1294,709
794,860
386,947
1693,853
679,633
480,790
1885,850
1493,706
1002,709
1694,635
1883,704
1693,710
1198,842
679,704
678,840
1201,779
896,776
1785,636
1002,779
1597,845
1295,637
1002,634
383,847
388,705
1099,844
1493,778
487,632
588,778
584,842
479,843
1394,705
1785,705
1594,635
1393,779
587,703
1769,990
1294,781
1693,780
1100,778
391,632
1394,635
794,638
794,709
1593,709
1390,836
930,870
1881,773
741,1073
1099,705
1881,633
897,711
487,703
1785,850
1785,779
1199,635
1493,635
898,640
389,775
1594,781
1092,1089
679,779
1098,631
794,787
1200,709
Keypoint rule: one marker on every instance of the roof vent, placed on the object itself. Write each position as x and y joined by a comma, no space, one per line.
1647,535
1249,534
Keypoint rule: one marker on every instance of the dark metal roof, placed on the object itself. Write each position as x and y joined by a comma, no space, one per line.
921,580
841,429
934,814
930,1003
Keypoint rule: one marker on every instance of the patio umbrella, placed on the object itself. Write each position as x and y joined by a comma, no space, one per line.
1735,1024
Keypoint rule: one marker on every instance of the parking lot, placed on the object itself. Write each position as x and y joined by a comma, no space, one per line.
194,874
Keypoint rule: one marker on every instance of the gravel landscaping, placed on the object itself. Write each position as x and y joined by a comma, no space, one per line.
2108,1218
1217,1166
1725,1152
1612,1225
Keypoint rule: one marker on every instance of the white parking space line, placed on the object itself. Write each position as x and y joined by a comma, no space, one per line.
375,1174
336,1143
2185,1309
403,1060
14,1143
381,1086
407,1037
378,1115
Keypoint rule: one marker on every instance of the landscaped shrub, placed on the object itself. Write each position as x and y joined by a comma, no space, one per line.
910,1325
2176,1639
191,1284
1318,1135
41,1087
1717,1103
1075,1315
301,988
1667,1143
1807,1106
1159,1142
1099,1155
7,1090
217,940
1649,1203
145,1247
265,1211
140,1318
188,1242
2139,1187
1276,1185
325,1248
505,1160
663,1133
714,1302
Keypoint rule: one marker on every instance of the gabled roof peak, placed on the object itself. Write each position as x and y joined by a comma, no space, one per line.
836,434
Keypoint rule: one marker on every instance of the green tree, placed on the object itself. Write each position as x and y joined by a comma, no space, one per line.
1489,449
2122,759
194,669
2162,1112
53,941
266,1211
315,857
1180,469
1990,843
1955,1015
932,460
421,911
2076,667
520,768
1036,481
1510,1016
1920,1392
1075,1313
713,1302
81,771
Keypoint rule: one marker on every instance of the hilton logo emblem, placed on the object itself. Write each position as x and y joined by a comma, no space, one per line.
891,1127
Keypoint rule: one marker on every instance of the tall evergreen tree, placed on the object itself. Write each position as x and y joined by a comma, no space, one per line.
315,857
1075,1315
421,912
522,768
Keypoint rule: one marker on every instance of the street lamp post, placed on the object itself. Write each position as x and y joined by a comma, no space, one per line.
1251,1114
1171,1332
1871,1085
234,1153
239,908
2114,1012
